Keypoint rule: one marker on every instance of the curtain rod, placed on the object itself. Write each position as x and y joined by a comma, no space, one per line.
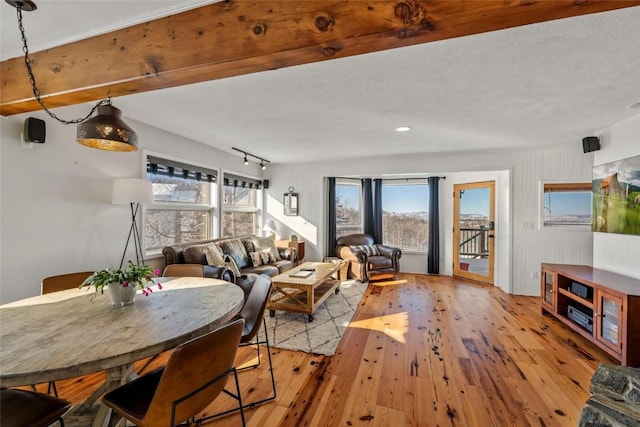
395,179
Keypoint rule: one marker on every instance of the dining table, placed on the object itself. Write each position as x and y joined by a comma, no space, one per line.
77,332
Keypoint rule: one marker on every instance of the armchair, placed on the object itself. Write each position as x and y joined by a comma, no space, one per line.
369,260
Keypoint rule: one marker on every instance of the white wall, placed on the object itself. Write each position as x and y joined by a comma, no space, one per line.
57,215
618,252
517,174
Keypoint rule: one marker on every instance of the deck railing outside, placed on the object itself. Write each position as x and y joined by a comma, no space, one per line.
474,242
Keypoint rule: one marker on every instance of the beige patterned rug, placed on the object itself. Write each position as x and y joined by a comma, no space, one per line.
292,331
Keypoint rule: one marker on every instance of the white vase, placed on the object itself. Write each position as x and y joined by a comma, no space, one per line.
121,295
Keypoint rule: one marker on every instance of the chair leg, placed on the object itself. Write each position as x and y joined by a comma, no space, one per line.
256,403
61,422
244,368
52,386
240,405
273,380
237,396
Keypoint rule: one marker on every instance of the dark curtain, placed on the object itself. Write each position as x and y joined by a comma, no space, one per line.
331,222
377,210
367,207
433,254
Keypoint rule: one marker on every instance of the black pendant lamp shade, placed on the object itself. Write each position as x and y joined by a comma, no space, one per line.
107,131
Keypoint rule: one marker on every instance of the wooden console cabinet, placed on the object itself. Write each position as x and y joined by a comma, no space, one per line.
602,306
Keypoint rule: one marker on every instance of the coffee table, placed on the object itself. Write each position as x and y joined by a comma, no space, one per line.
303,294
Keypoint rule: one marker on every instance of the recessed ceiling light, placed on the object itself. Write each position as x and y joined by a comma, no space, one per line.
403,129
636,105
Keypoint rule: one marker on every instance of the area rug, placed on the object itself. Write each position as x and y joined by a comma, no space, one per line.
292,331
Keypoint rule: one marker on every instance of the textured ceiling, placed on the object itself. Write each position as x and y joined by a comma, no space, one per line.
542,84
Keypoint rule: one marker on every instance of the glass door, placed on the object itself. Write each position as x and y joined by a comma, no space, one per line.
474,230
609,316
548,282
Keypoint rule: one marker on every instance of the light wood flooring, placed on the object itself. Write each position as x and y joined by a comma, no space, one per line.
423,351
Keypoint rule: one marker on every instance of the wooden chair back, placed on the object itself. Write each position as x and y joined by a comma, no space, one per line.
253,310
63,282
183,270
190,367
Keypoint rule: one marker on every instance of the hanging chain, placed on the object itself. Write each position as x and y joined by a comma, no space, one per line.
32,79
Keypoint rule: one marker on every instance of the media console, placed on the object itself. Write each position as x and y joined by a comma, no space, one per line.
600,305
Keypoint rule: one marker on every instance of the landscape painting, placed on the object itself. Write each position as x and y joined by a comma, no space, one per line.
616,197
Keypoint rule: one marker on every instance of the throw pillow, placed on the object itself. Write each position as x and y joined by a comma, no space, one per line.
262,243
370,250
262,257
256,259
231,263
214,254
267,256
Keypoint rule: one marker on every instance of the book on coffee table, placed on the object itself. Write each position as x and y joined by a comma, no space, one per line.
302,274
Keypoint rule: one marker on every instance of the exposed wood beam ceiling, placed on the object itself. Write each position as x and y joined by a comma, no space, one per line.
240,37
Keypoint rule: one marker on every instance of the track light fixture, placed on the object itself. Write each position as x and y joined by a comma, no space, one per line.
263,162
105,131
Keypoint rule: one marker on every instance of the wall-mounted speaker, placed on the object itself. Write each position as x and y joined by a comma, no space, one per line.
265,183
35,130
590,143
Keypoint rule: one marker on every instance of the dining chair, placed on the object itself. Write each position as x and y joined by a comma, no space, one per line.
57,283
195,374
63,281
23,408
253,314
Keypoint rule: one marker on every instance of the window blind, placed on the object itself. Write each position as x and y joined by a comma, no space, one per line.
159,166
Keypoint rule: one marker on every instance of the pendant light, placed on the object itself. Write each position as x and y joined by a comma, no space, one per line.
105,131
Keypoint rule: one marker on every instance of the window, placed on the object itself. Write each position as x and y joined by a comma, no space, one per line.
405,215
567,204
183,210
348,207
240,206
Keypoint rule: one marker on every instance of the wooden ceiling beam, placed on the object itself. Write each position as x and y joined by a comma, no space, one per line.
240,37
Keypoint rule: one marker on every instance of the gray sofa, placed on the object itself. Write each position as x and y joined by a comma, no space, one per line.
239,249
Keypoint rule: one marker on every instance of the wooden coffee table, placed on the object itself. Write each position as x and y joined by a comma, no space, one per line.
304,294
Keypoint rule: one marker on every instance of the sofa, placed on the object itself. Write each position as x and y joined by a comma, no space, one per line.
368,260
238,259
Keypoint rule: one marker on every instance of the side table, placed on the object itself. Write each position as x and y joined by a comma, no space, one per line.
297,244
344,266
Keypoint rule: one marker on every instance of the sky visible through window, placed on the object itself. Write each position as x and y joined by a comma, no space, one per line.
405,198
569,203
475,202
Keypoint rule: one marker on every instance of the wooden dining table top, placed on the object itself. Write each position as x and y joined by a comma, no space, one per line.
76,332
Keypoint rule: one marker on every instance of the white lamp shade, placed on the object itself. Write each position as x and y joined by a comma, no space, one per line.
132,190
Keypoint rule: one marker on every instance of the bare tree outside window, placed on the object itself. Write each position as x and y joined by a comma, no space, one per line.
240,210
405,217
348,208
182,211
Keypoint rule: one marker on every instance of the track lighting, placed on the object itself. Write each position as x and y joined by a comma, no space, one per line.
263,162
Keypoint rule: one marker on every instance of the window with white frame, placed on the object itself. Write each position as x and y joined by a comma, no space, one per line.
240,212
348,207
184,203
567,204
405,214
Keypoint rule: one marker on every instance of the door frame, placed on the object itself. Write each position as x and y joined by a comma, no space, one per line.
457,271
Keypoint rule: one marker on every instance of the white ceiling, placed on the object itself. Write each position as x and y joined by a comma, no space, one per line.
542,84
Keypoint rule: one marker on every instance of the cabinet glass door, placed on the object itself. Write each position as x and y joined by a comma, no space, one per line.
548,281
609,314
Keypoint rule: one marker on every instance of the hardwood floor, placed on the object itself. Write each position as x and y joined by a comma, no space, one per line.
423,351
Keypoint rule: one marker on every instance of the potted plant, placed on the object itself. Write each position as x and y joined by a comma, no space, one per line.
122,284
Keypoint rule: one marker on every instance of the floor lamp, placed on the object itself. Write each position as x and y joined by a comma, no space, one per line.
133,191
